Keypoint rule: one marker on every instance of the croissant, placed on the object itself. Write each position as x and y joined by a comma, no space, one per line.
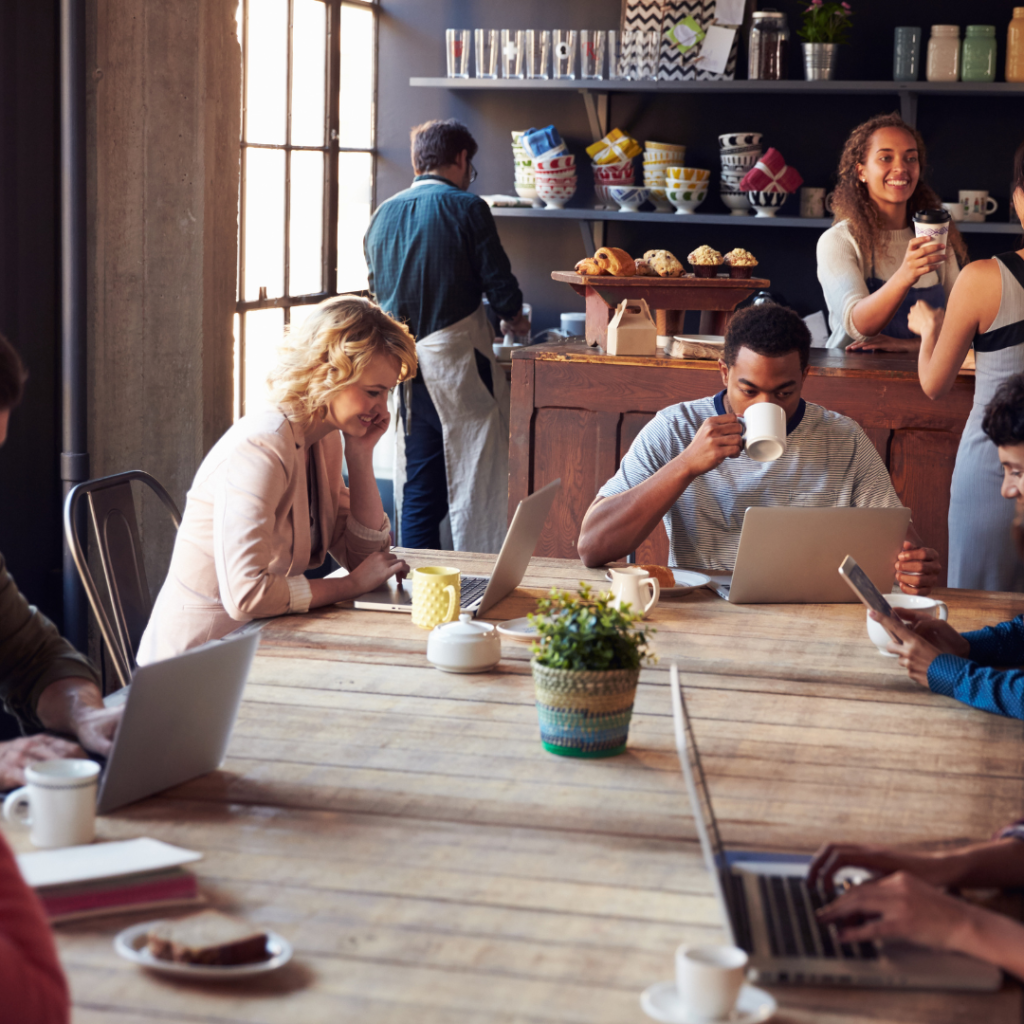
616,262
589,267
644,269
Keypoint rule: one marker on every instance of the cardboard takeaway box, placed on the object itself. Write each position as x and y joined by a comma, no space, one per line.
632,331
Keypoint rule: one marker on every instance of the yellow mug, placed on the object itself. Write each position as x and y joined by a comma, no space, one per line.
435,595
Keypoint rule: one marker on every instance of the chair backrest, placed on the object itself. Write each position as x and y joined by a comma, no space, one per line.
122,619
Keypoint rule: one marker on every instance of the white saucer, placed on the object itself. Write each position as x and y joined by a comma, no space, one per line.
131,944
522,631
661,1002
687,581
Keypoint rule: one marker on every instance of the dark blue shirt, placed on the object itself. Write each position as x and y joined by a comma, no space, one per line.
979,680
432,252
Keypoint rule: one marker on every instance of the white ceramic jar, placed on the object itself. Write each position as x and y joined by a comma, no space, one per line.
464,646
944,54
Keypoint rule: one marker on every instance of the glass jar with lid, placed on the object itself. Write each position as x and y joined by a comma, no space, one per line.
944,54
768,46
1015,47
978,54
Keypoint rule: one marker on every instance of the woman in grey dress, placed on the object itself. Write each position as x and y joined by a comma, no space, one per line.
986,309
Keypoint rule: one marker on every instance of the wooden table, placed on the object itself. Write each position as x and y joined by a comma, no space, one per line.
575,412
432,864
668,298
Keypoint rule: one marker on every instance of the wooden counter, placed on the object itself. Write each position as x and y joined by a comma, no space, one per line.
576,411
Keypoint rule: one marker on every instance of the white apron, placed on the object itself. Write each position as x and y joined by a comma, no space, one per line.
475,426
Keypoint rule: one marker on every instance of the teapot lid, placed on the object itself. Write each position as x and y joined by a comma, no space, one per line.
465,630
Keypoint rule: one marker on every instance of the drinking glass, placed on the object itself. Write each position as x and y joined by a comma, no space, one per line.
512,64
458,52
486,53
615,65
591,54
565,53
538,53
649,53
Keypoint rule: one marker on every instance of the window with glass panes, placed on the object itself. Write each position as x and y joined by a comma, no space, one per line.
307,174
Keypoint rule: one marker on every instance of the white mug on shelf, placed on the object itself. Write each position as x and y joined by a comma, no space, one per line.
977,204
708,980
59,802
627,583
881,639
764,431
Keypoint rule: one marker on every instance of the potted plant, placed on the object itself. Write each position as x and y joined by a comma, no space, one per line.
586,666
825,27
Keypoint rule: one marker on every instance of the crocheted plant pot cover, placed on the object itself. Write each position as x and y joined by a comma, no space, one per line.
584,714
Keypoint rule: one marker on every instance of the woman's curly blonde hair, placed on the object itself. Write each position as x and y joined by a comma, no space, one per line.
331,349
851,201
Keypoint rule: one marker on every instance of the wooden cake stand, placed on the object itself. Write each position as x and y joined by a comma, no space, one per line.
667,297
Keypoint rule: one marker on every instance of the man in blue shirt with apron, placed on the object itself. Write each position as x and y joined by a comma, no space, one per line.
432,252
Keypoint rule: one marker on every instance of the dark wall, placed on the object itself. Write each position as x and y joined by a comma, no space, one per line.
30,536
970,141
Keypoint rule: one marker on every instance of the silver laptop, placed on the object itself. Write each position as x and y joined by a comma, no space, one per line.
789,555
177,721
479,593
768,909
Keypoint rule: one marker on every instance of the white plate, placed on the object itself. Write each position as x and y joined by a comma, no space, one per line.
701,339
521,631
661,1002
687,581
131,944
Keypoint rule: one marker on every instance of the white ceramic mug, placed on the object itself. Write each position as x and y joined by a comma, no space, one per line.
881,639
627,584
812,202
708,980
764,431
955,210
59,802
977,204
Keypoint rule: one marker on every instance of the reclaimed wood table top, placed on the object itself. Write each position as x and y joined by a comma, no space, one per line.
431,863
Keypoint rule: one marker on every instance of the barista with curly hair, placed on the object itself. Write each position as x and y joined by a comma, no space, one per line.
871,267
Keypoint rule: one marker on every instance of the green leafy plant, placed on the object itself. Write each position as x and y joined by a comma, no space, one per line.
585,633
826,22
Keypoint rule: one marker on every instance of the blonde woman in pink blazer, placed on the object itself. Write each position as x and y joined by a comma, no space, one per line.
269,501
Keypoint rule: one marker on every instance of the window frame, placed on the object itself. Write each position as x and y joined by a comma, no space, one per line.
331,150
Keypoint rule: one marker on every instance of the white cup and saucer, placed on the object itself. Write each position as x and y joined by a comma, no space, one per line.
709,987
764,431
881,639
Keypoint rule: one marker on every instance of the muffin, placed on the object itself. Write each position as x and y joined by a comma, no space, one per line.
705,261
740,262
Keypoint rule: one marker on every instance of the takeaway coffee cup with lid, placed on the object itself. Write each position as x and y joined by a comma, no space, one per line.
933,224
764,431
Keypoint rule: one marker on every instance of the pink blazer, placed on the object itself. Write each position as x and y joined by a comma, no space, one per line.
244,540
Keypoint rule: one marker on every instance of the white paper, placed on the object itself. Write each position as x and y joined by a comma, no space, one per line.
101,860
715,50
818,327
684,35
730,12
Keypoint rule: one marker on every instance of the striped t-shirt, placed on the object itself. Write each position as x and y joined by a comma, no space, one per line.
828,461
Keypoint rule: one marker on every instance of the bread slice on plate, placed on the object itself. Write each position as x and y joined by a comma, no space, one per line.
208,937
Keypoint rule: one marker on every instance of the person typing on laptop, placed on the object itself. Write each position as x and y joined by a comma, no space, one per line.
44,682
688,468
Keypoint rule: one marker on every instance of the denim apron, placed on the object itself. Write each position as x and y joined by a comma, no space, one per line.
934,295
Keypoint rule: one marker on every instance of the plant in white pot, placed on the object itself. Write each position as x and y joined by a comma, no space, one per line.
825,27
586,667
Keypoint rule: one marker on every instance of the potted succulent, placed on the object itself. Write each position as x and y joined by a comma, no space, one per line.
586,666
826,24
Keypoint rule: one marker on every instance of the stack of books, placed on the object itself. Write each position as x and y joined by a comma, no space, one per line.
110,878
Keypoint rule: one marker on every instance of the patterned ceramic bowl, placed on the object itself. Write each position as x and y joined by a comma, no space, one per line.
686,200
566,163
629,197
767,204
739,140
737,202
555,196
614,174
735,161
687,175
526,191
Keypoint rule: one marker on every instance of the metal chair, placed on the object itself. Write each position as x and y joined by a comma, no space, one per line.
116,526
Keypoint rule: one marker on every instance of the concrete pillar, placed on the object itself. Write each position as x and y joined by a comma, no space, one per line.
164,98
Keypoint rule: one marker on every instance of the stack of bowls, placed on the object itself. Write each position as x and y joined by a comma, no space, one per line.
739,152
629,197
608,175
555,174
686,187
526,185
658,157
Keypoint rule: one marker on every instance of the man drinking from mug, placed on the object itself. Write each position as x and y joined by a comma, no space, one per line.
688,466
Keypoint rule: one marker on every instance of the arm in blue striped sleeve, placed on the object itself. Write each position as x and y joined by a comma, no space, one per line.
998,645
1000,691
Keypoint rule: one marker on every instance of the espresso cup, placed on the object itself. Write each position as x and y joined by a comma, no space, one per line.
764,431
876,631
708,980
628,584
977,204
436,592
58,804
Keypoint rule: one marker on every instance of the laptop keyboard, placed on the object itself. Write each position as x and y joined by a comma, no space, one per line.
472,589
793,930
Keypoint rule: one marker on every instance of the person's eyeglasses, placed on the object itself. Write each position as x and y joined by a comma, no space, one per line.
472,172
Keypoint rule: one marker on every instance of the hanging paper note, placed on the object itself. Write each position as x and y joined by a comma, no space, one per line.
714,54
685,34
730,12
